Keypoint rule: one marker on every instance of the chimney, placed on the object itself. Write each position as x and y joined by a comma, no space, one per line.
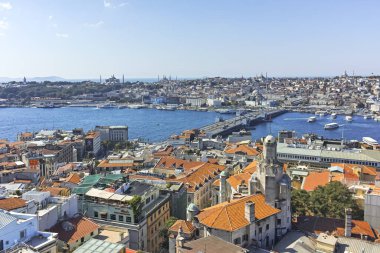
348,222
250,211
223,187
180,240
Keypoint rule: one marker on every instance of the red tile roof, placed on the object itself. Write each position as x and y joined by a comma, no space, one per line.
200,175
314,224
230,216
187,226
10,204
315,179
245,149
172,163
81,228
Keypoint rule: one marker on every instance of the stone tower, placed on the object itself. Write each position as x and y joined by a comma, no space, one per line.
270,180
269,171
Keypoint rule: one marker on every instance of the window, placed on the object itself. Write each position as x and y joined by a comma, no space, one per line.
121,218
1,245
103,216
92,233
128,219
245,237
278,221
113,217
260,230
95,214
82,239
22,234
267,228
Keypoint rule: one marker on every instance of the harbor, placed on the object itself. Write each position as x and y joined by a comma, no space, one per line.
158,125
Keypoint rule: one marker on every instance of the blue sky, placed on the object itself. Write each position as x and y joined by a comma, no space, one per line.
188,38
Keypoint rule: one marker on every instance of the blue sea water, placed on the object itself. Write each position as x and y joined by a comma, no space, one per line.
158,125
149,124
355,130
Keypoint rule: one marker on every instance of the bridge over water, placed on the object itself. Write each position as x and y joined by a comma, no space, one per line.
238,123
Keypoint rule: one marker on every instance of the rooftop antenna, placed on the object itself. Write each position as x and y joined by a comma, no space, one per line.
123,78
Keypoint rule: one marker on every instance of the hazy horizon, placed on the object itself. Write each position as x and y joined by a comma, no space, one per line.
188,39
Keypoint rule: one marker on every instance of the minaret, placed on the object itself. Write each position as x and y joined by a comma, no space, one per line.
100,79
123,78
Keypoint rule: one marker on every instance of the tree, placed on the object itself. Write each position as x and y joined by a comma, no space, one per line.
332,199
164,233
300,202
329,201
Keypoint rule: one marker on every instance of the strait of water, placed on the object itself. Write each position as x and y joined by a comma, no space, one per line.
158,125
354,130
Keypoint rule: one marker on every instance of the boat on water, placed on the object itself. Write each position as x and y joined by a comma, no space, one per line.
312,119
136,106
349,118
320,113
226,111
122,106
107,106
331,126
377,118
333,115
368,116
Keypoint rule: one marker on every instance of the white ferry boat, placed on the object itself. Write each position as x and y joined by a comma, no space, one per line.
136,106
333,115
331,126
370,141
312,119
348,118
320,113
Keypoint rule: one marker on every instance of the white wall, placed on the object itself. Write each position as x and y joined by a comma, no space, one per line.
10,235
372,210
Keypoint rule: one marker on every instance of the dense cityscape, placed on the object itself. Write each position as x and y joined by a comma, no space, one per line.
213,186
189,126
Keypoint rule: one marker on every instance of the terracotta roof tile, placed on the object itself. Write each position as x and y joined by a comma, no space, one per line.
169,162
230,216
82,227
245,149
10,204
74,178
238,179
200,175
187,226
251,168
57,191
318,225
315,179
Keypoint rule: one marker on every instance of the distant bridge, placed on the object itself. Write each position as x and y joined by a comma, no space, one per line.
238,123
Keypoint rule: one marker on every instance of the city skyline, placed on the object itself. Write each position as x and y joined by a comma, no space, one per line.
79,40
